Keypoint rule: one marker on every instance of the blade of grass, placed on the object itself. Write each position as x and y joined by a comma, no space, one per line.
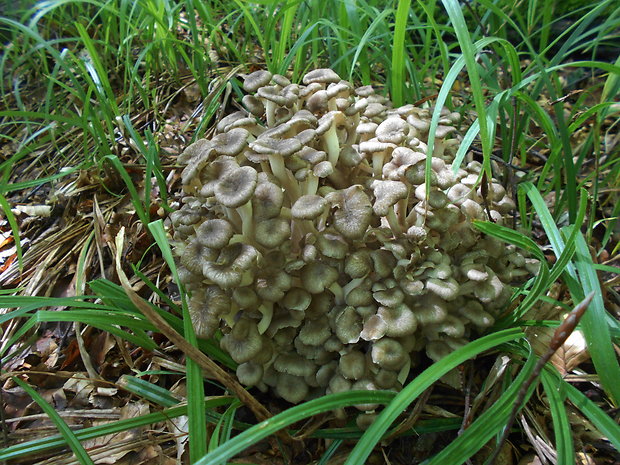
410,392
398,52
299,412
53,442
195,382
561,425
482,430
70,439
595,321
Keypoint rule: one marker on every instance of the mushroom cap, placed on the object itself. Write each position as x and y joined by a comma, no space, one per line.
358,264
271,146
293,364
388,353
308,207
243,343
205,309
256,79
291,388
374,328
348,326
392,130
317,276
230,143
249,373
322,76
253,105
353,211
297,298
352,365
387,193
400,320
314,332
232,261
272,232
332,245
267,200
236,187
273,94
215,233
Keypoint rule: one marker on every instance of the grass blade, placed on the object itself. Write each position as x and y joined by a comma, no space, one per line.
290,416
398,52
405,397
65,431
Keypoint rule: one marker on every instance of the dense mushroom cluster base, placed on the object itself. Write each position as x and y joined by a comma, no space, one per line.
305,234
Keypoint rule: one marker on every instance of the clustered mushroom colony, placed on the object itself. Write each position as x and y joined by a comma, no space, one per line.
305,235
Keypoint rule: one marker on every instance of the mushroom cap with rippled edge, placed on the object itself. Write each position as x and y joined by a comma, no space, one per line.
352,365
308,207
243,342
321,76
215,233
291,388
250,373
317,276
256,79
271,233
387,193
388,353
353,211
236,187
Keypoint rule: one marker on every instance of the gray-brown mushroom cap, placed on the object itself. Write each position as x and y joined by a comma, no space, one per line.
317,276
256,79
353,211
267,200
236,187
273,232
232,142
243,343
392,130
308,207
215,233
387,193
323,76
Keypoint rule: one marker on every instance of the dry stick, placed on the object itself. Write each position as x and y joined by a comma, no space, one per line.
179,341
559,338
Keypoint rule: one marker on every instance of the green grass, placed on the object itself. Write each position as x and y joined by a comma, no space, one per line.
80,79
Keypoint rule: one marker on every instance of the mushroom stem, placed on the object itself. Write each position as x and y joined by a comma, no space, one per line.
247,225
338,292
270,113
393,222
332,145
266,310
312,184
377,163
352,285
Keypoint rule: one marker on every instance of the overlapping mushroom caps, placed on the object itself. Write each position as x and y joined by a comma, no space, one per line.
305,235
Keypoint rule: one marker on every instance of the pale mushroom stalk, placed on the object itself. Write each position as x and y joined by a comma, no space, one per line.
330,138
266,309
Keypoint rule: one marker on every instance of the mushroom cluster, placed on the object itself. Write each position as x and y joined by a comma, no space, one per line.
305,234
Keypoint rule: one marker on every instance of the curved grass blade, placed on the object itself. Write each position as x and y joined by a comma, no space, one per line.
487,425
582,280
398,52
410,392
561,425
65,431
53,442
290,416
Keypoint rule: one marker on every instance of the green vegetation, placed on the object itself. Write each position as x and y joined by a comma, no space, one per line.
99,97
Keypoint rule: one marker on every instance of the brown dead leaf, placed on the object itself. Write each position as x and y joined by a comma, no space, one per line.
571,354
